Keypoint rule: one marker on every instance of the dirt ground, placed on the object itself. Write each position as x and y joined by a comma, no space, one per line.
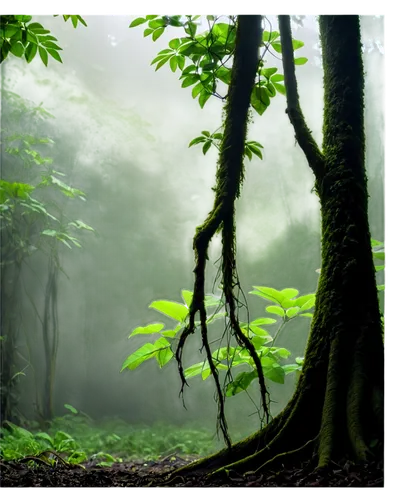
155,474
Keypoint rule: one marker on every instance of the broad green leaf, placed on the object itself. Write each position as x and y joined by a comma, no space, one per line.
189,69
277,46
224,74
255,150
171,333
45,436
270,36
300,60
195,369
197,89
378,255
308,305
43,55
157,33
300,361
269,293
145,352
262,321
148,329
181,61
257,330
151,17
17,49
260,99
157,23
206,147
137,22
268,72
376,243
165,353
203,98
55,55
258,341
11,30
190,80
281,352
30,51
275,373
277,78
147,32
280,88
291,368
292,312
173,63
297,44
307,315
303,299
174,310
197,140
276,310
240,383
51,45
187,296
163,61
379,268
289,293
71,409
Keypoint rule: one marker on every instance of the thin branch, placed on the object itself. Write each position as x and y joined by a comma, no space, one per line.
303,134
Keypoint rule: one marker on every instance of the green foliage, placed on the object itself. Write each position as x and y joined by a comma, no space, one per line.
204,61
22,38
228,358
30,212
378,253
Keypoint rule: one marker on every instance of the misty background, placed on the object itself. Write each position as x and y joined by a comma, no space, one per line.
121,133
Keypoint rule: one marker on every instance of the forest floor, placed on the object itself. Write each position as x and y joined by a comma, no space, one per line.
155,473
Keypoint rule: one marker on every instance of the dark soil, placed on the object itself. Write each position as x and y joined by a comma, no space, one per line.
140,474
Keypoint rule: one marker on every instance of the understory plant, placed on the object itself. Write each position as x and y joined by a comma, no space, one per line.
234,360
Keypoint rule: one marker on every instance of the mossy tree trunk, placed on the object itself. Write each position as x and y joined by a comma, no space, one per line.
337,409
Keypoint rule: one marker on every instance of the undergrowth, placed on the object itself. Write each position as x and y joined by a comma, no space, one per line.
77,439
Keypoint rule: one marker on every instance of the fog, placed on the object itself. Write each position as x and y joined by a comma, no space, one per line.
121,132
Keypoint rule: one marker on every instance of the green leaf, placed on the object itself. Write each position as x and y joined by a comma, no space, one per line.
147,32
292,312
148,329
71,409
206,146
277,78
50,45
297,44
197,140
197,89
378,255
309,304
268,72
280,88
203,98
281,352
276,310
212,300
17,49
11,30
260,99
173,62
190,80
151,17
269,293
181,61
157,33
43,55
137,22
196,369
174,310
145,352
163,61
379,268
224,74
55,55
277,46
240,383
275,373
307,315
376,243
291,368
187,296
289,293
271,89
157,23
381,287
300,60
262,321
171,333
162,56
165,353
45,436
270,36
174,44
303,299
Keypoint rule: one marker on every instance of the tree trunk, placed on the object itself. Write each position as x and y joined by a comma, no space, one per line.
337,408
